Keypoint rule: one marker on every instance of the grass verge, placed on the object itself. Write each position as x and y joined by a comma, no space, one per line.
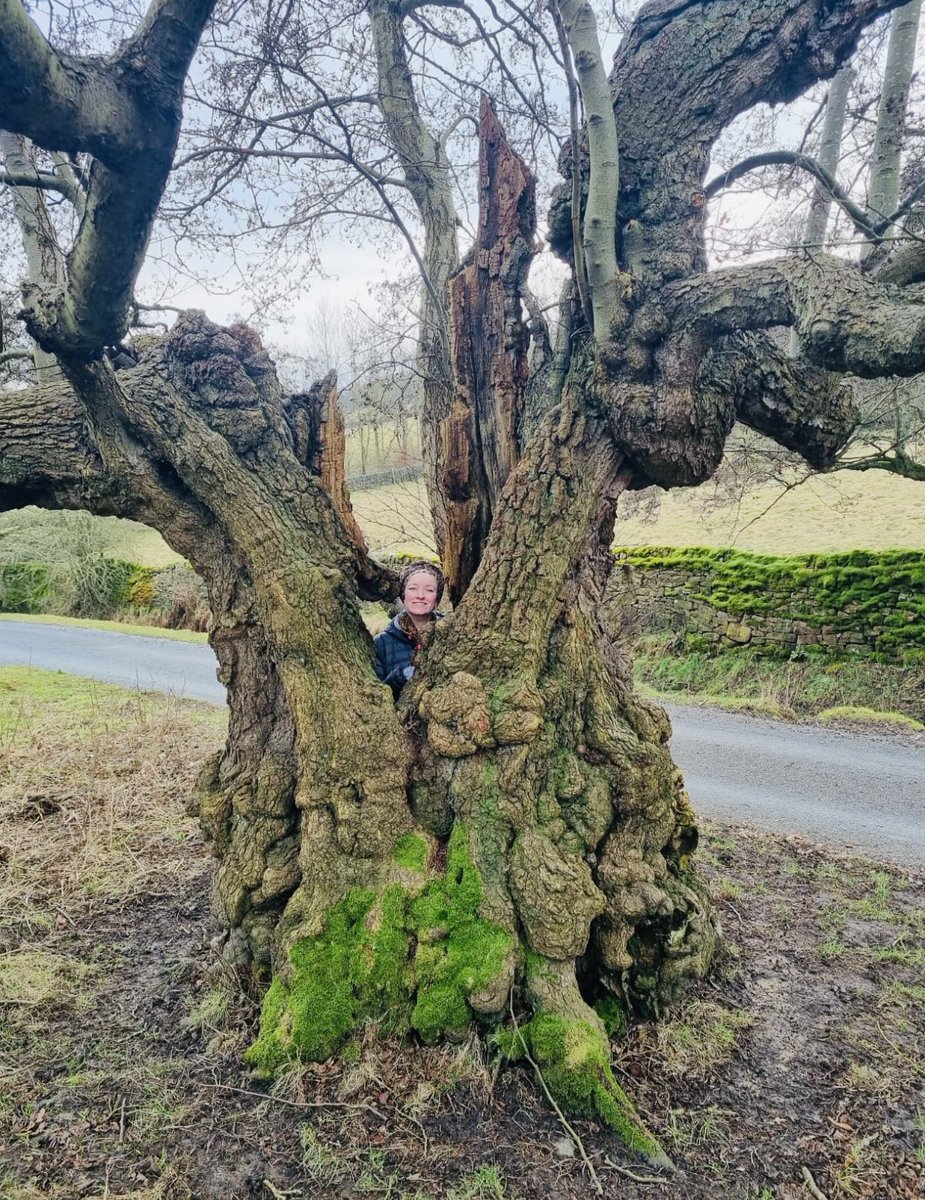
832,690
177,635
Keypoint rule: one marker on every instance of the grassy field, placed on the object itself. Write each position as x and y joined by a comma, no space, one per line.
847,511
850,511
33,535
123,1026
377,446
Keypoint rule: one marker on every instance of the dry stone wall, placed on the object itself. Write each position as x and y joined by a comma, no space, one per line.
863,603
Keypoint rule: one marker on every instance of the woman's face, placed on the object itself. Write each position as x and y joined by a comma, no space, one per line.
421,593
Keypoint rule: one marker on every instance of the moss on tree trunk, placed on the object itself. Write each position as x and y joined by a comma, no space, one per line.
548,869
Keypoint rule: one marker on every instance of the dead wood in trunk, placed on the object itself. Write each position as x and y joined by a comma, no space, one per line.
480,438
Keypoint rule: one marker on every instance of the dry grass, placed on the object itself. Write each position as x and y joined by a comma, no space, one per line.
92,783
396,519
854,510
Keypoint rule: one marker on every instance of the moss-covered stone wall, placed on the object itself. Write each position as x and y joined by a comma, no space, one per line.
864,603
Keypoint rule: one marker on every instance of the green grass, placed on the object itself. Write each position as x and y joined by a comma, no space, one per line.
74,705
858,688
850,712
177,635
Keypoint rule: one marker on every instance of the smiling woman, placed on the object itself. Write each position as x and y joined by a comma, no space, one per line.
421,588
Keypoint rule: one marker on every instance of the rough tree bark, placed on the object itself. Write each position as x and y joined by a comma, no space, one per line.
480,437
515,837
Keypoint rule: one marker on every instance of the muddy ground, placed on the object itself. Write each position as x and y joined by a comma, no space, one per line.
796,1070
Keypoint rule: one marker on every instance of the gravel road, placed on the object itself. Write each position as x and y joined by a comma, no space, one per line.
850,790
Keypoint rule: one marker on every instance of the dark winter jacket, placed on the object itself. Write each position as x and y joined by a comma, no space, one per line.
395,651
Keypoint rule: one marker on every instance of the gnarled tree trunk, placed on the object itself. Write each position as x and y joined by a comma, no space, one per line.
515,834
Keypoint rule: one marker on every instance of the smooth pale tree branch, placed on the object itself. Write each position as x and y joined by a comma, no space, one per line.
41,180
13,355
804,162
599,231
845,320
44,259
581,279
883,189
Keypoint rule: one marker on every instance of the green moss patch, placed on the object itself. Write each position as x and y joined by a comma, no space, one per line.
573,1058
411,852
883,591
408,961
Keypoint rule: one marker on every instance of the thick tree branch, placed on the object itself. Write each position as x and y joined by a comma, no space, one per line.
41,180
127,113
724,58
845,321
54,98
578,257
49,457
798,405
906,265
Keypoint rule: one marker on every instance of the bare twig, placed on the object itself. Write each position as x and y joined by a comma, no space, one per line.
632,1174
776,158
227,1087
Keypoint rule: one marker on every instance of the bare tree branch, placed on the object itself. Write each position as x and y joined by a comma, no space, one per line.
41,180
599,229
132,132
773,158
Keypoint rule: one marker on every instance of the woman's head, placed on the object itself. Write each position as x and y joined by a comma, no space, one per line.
420,586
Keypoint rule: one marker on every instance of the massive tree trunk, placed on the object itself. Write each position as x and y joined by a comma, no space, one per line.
514,839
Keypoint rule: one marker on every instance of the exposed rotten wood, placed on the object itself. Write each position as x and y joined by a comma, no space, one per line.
488,345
